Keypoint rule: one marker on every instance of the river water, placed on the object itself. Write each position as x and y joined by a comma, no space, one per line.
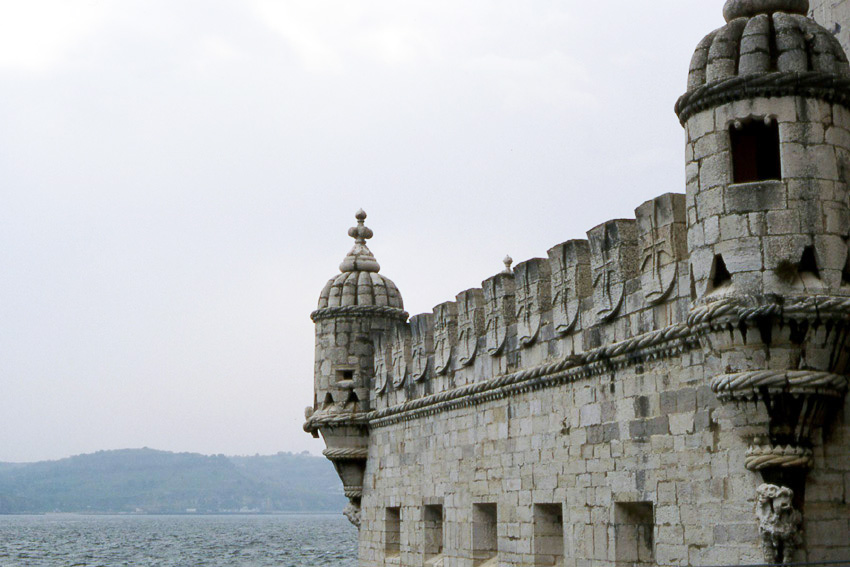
298,540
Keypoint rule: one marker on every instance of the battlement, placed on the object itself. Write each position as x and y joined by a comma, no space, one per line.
628,279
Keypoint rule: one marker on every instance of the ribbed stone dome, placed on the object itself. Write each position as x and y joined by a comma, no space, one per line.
767,48
360,284
765,43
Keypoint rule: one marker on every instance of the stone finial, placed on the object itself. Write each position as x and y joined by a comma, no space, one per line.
748,8
508,261
360,258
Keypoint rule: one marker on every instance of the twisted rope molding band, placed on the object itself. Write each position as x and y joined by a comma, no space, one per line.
346,454
749,308
747,385
359,311
761,457
820,85
571,368
670,341
353,491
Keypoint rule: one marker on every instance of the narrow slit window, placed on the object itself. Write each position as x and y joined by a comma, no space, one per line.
755,151
809,262
845,273
720,276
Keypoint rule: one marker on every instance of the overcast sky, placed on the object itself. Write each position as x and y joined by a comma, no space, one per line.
178,176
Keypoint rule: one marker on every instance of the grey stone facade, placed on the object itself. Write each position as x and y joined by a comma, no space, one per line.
834,15
670,391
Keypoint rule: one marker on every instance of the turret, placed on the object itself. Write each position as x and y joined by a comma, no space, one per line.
768,154
768,157
354,307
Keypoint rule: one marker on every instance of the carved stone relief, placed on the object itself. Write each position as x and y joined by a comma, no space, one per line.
570,267
382,362
533,297
663,242
400,352
613,247
470,324
352,512
498,310
445,335
421,344
779,523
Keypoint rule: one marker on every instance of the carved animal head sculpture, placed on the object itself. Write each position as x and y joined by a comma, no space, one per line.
779,523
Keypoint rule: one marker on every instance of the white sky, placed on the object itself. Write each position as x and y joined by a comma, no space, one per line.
178,177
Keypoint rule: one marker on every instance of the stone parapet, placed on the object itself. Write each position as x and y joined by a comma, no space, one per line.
623,289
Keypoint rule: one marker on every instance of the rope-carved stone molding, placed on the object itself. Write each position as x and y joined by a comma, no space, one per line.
745,309
751,385
346,454
353,491
761,457
670,341
359,311
348,419
825,86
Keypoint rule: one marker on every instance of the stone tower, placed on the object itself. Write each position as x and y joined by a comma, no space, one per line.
834,15
670,390
355,306
768,158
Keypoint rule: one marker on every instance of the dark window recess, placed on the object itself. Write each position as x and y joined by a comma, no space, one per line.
755,151
720,276
352,398
845,273
345,375
809,263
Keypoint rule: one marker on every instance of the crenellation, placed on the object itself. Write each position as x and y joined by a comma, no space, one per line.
470,325
533,298
614,263
499,310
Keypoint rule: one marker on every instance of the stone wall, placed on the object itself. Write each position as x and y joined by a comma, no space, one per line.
579,382
834,15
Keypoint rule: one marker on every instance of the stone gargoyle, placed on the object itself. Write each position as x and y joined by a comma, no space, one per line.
779,523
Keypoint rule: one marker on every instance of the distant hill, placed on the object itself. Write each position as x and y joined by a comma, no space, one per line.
159,482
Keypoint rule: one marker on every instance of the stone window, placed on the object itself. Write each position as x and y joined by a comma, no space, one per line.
755,150
548,534
720,276
484,535
634,524
432,519
392,531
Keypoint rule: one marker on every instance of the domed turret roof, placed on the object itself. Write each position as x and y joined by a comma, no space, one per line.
359,283
766,46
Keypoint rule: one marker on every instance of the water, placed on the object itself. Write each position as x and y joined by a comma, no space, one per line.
178,541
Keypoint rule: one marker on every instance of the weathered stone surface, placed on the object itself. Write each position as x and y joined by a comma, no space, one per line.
639,389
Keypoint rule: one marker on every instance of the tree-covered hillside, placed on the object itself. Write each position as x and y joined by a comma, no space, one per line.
159,482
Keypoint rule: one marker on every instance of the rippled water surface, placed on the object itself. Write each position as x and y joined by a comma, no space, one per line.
171,541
